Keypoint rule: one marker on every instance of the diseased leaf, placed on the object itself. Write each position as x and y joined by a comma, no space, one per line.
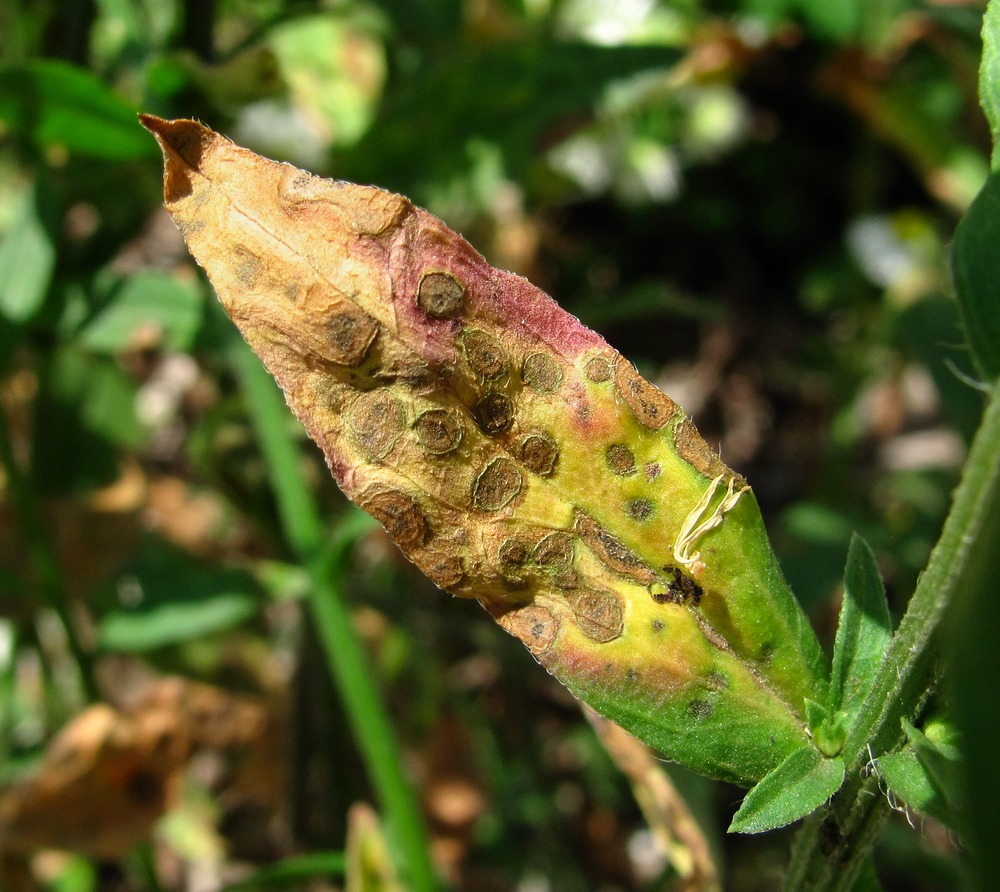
511,453
797,787
863,631
976,268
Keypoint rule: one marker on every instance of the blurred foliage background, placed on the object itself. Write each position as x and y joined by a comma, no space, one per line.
752,199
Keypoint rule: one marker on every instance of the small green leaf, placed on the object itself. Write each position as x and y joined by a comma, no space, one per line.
292,871
976,268
27,260
169,597
925,775
863,632
51,103
798,786
173,308
989,76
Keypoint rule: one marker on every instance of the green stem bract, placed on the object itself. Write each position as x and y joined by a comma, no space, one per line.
346,659
907,675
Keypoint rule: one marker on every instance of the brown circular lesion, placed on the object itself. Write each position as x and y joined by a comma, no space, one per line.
401,515
542,373
597,369
375,421
535,625
640,508
494,413
620,459
497,485
554,551
440,295
539,454
438,431
512,558
350,332
484,354
599,614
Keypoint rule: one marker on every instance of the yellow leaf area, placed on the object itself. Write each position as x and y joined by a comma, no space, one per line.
511,453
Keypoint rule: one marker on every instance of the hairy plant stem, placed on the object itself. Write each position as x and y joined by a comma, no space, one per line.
43,559
833,845
347,662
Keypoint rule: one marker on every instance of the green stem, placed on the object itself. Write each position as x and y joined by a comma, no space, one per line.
43,559
346,659
853,817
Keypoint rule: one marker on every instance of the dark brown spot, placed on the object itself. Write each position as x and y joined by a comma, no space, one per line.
555,551
401,516
653,470
494,413
484,353
512,556
681,589
610,551
535,625
620,459
438,431
599,614
441,295
696,452
639,509
632,674
539,454
658,625
699,710
190,227
651,407
542,373
717,680
350,333
375,420
497,485
566,579
247,267
597,369
444,570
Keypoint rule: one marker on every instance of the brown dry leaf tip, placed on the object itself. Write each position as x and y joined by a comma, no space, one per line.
454,402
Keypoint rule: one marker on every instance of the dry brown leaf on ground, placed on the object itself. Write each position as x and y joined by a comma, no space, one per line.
109,774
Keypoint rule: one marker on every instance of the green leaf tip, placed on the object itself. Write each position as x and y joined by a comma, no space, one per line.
803,782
